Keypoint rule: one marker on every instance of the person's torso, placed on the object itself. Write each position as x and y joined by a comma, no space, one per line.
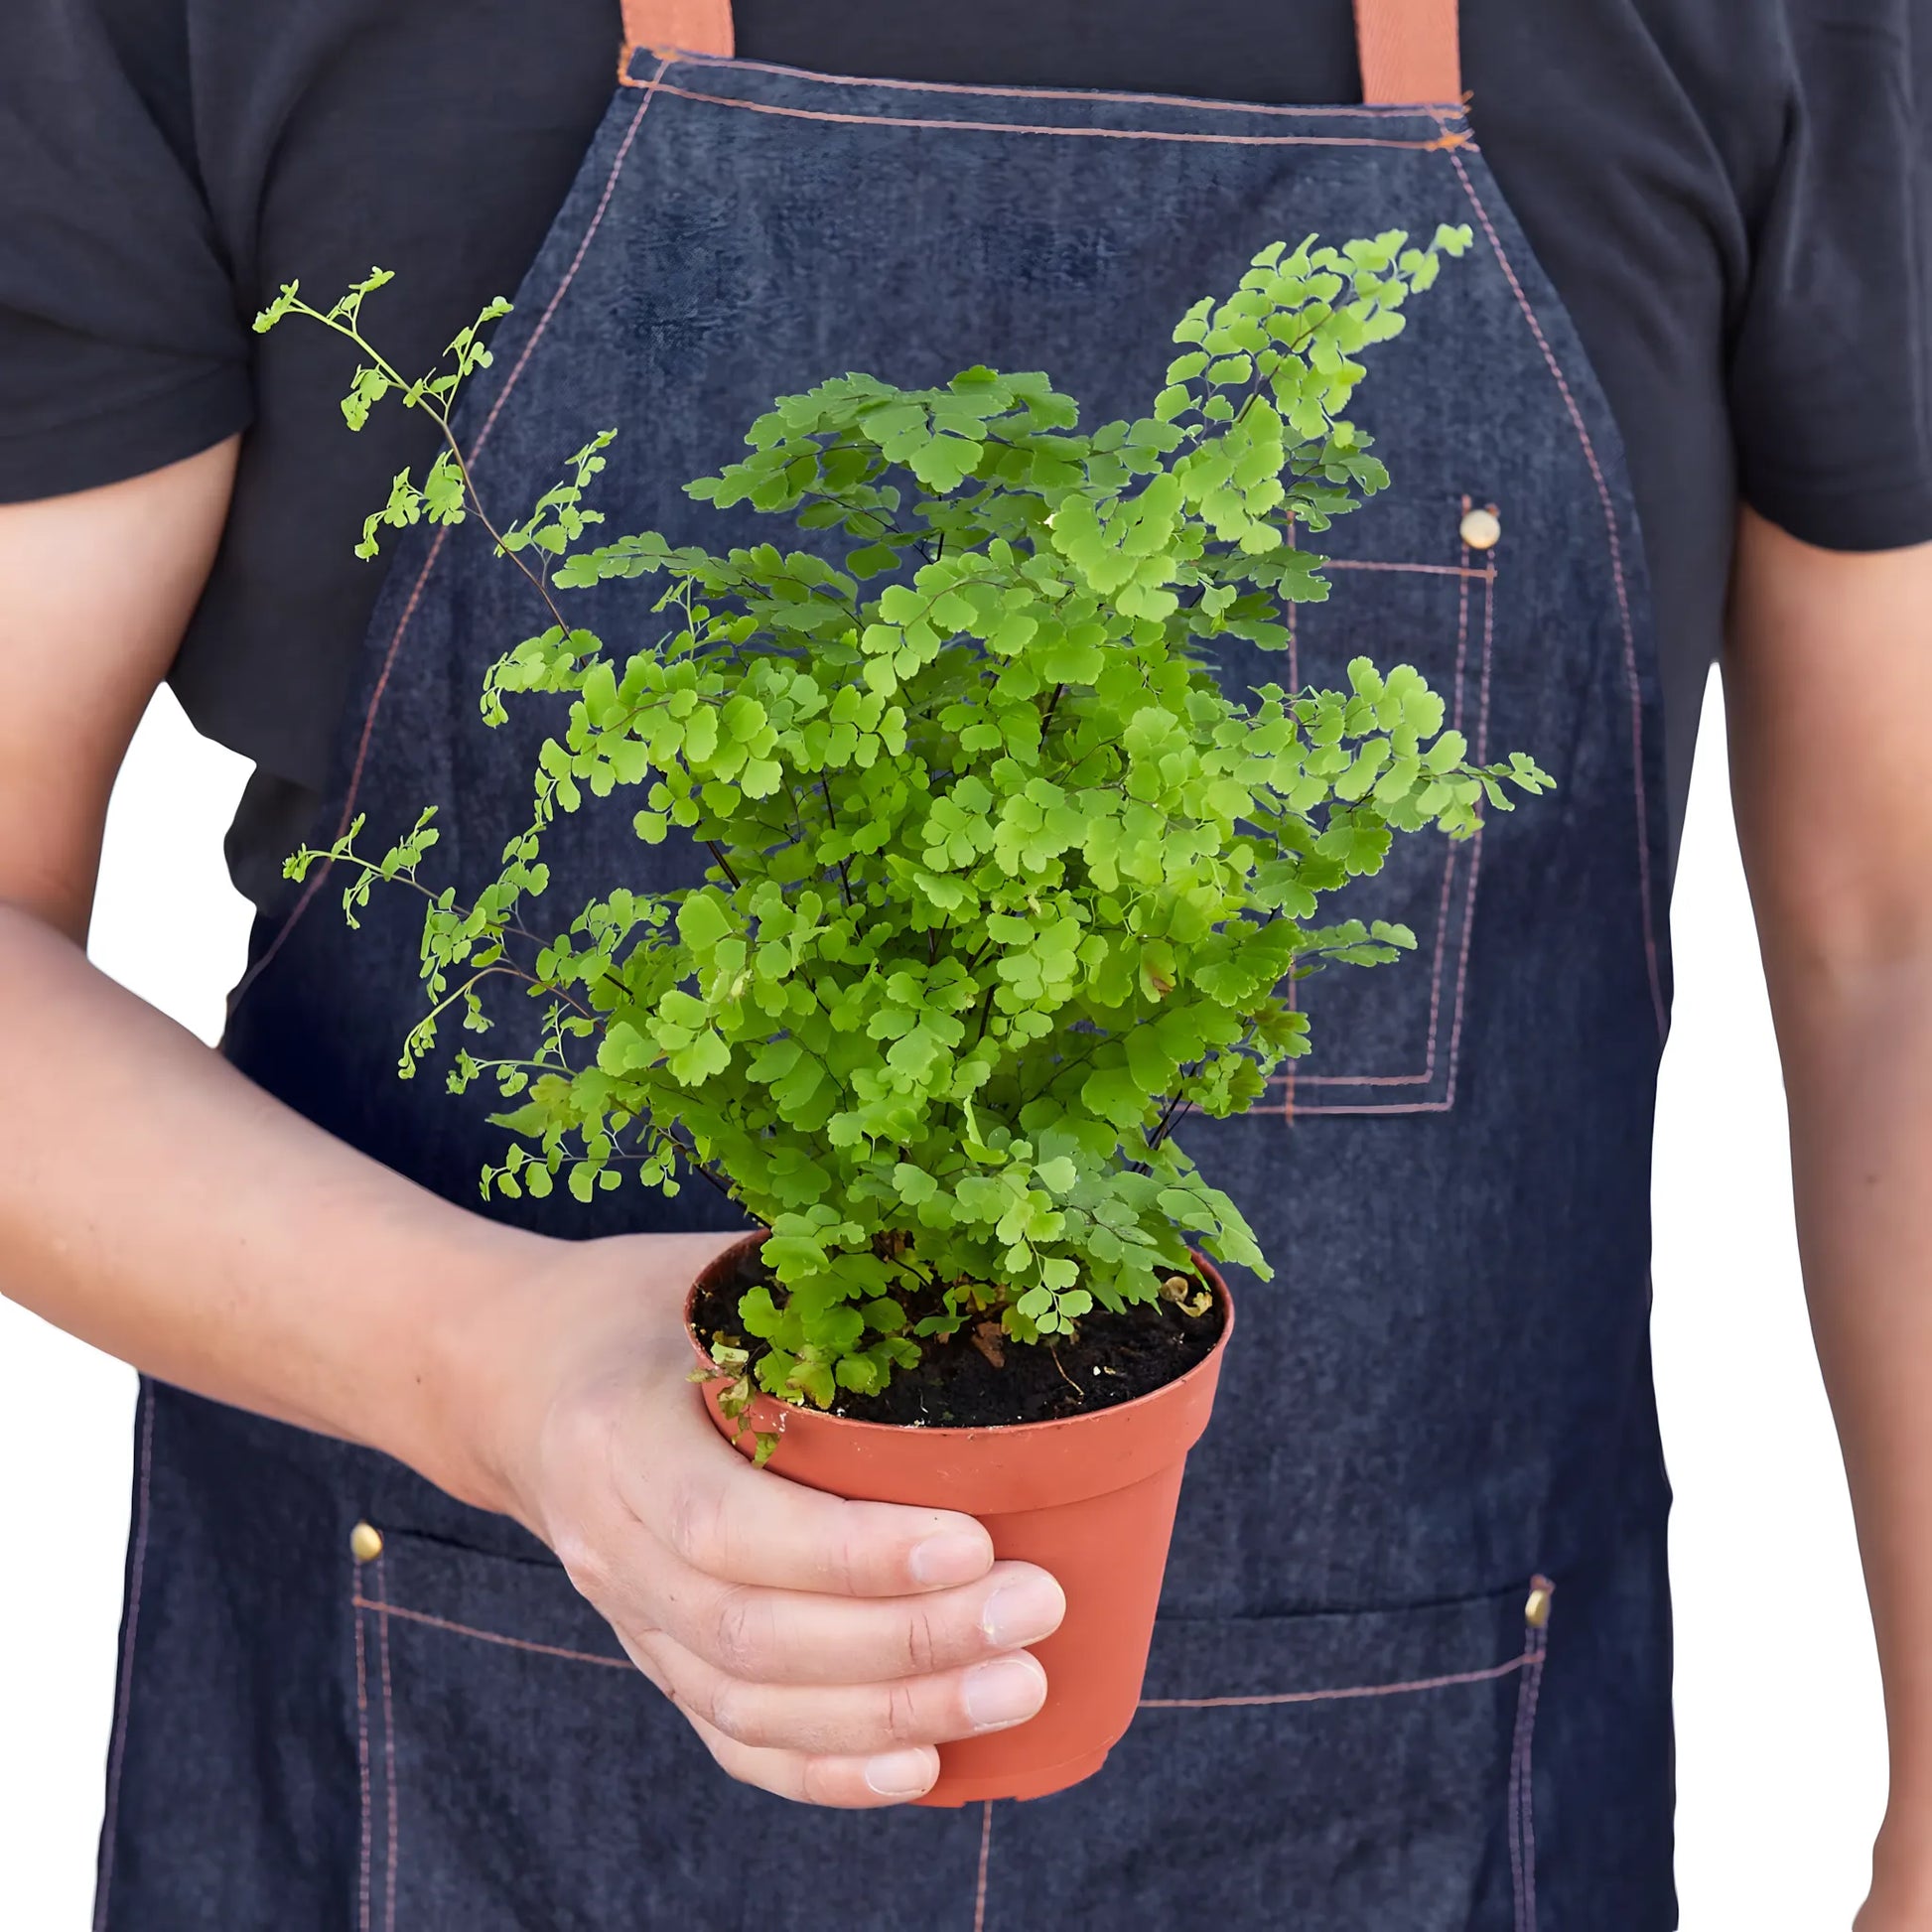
1359,1710
440,142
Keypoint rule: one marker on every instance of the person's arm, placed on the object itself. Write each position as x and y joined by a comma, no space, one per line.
158,1204
1827,696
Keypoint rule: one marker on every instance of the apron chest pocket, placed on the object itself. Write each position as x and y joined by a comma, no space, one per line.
1389,1040
1345,1773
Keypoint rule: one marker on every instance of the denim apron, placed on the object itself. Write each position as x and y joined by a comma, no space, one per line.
1412,1669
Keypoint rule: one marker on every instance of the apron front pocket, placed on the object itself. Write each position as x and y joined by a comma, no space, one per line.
1356,1772
519,1775
1345,1773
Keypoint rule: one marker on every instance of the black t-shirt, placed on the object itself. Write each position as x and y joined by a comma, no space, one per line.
1733,198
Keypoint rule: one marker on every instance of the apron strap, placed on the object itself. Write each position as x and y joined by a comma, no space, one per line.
1410,50
1408,47
693,26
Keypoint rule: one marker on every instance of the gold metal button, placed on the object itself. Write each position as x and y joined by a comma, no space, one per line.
1536,1613
1481,530
365,1543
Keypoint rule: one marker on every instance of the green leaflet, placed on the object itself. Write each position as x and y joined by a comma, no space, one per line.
998,882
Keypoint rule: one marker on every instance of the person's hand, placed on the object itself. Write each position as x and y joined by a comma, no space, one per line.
821,1648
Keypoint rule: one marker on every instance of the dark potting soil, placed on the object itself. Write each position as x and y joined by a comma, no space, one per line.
981,1379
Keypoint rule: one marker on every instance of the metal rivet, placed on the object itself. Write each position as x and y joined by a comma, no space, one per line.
1482,529
365,1543
1536,1613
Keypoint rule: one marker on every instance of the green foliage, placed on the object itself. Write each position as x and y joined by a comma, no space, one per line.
1003,883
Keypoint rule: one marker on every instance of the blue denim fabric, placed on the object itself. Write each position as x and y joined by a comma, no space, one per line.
1445,1394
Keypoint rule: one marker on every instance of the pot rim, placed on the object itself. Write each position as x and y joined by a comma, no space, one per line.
859,1431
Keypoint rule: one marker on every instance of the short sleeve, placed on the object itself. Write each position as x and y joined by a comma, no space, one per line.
120,349
1831,359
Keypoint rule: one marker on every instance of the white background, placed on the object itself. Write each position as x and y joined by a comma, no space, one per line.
1782,1774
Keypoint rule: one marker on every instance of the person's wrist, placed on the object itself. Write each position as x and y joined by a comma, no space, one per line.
540,1319
471,1347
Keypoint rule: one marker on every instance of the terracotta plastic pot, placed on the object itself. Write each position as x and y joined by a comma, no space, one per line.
1090,1498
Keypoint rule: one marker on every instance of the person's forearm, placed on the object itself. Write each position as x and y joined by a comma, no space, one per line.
156,1203
1828,682
1858,1056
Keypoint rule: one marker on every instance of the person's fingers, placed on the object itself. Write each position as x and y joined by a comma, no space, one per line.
892,1776
844,1783
743,1524
777,1636
854,1720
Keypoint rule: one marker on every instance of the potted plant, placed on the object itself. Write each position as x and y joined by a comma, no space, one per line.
1001,885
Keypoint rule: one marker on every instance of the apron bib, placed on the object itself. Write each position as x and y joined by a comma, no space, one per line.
1412,1672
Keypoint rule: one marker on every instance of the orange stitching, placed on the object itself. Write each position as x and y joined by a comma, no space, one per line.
665,56
363,1757
1401,1106
1430,1039
1475,851
317,876
1428,113
1394,1107
1442,946
491,1636
1421,1079
1617,576
1448,864
1463,611
986,1847
388,1752
1442,142
386,1610
570,275
1521,1803
1291,1078
1488,666
323,870
1448,1101
1353,1690
1421,570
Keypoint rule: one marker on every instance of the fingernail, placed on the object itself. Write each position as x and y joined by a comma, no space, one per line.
951,1557
1021,1612
899,1774
1006,1692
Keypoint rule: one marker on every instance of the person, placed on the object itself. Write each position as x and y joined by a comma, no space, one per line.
383,1434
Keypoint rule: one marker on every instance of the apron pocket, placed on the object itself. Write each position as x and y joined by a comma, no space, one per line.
518,1775
1388,1040
1355,1773
1340,1771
